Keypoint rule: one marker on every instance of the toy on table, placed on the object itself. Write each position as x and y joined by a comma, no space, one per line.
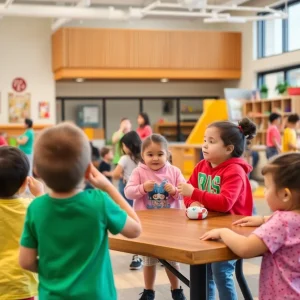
196,212
159,196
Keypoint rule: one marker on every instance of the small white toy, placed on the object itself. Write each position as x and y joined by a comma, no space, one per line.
196,213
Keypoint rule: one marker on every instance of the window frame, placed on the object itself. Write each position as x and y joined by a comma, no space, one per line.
261,36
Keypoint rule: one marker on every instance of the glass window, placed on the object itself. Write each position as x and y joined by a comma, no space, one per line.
271,80
293,77
273,37
294,27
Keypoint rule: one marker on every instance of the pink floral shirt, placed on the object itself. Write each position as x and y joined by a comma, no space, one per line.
280,269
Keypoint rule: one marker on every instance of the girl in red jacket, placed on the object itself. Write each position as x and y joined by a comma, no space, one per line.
220,183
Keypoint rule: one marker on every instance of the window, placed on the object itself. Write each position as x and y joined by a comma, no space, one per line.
293,77
279,36
271,80
294,27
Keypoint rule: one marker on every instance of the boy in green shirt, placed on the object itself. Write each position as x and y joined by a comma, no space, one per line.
65,237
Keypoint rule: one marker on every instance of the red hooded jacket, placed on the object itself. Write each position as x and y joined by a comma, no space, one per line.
225,188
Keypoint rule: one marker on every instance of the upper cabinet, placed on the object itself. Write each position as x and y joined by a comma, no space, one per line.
145,54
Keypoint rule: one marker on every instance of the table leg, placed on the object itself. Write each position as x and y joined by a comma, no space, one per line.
242,281
198,282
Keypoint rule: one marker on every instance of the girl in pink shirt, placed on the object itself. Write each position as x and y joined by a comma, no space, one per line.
144,130
278,237
153,185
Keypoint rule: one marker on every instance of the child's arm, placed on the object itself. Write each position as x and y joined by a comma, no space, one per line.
28,259
117,136
172,189
117,172
253,221
245,247
36,187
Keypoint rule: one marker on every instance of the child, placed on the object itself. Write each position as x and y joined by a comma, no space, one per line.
289,141
131,147
65,235
144,129
105,164
15,283
220,183
273,136
125,126
278,238
3,141
152,185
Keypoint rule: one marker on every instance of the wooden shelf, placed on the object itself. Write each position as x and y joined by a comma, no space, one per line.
169,129
259,111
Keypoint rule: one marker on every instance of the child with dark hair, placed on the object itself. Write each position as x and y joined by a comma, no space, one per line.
220,183
278,237
16,283
65,237
105,164
153,185
273,136
289,140
144,129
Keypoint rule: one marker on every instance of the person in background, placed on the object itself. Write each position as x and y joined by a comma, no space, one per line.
125,126
15,283
131,147
144,129
153,185
273,136
278,237
65,236
3,141
220,183
26,141
289,141
95,155
105,164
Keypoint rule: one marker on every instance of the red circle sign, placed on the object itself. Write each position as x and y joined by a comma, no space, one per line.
19,84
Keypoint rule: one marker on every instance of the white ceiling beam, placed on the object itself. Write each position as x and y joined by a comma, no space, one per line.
62,21
231,3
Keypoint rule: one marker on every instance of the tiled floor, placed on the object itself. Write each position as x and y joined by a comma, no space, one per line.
130,283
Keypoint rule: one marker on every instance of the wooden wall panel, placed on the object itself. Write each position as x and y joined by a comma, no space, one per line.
59,49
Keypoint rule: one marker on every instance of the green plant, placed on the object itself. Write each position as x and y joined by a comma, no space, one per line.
281,88
264,89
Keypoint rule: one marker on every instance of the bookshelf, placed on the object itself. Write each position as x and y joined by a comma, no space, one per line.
259,111
169,129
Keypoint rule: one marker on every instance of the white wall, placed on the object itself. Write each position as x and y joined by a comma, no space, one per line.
25,51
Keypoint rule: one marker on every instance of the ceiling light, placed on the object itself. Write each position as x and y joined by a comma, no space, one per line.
164,80
79,80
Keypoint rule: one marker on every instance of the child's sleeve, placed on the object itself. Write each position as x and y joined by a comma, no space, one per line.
29,238
194,182
223,201
115,216
134,188
179,179
273,233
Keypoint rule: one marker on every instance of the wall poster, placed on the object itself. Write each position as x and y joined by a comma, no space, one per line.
44,110
18,107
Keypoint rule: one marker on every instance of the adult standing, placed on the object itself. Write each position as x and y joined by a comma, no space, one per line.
144,129
25,142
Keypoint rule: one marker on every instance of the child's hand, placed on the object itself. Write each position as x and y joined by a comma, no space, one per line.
149,186
250,221
214,234
36,187
97,179
185,189
170,189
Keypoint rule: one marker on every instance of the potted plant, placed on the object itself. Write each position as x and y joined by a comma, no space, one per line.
264,91
294,91
282,88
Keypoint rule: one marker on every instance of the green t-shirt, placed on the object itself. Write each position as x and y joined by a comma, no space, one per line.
71,238
28,147
117,152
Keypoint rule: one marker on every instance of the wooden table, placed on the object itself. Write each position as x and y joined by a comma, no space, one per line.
169,235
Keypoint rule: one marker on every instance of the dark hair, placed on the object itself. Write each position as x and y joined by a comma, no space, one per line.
104,151
236,135
14,168
157,139
29,123
273,117
146,118
133,142
62,154
95,152
285,170
294,118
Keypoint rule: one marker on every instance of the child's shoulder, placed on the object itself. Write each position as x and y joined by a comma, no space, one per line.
17,204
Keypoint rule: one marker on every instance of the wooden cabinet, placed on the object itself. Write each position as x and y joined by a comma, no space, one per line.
169,129
259,111
145,54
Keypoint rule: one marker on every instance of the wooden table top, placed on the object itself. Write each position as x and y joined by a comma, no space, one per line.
168,234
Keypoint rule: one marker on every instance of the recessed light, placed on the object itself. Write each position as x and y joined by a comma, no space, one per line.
164,80
79,80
